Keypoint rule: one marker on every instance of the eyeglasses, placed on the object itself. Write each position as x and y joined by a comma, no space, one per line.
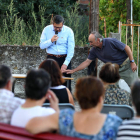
57,27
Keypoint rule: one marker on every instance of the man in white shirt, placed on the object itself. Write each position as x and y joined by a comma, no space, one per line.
58,40
8,103
37,84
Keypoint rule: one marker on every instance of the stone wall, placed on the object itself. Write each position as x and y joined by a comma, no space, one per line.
23,58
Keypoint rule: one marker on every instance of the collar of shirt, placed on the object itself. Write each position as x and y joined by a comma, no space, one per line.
7,92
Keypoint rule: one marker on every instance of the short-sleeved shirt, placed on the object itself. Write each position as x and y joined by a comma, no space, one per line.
115,95
112,51
8,104
21,115
107,132
129,130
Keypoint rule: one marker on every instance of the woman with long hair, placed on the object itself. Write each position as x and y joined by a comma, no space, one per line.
62,92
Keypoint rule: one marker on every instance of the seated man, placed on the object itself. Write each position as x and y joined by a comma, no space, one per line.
130,129
37,85
8,103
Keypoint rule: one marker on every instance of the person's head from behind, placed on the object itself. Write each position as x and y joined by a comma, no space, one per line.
110,73
58,22
89,92
5,77
37,84
52,67
135,92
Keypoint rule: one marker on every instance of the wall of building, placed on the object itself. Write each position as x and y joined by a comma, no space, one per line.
23,58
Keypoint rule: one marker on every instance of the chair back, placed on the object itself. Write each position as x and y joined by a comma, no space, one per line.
61,105
123,111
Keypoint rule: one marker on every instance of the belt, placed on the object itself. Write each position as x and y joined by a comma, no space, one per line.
124,62
58,56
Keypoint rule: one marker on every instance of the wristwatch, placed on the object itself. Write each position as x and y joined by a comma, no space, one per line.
132,61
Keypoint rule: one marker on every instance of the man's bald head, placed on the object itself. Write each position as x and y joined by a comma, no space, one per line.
95,39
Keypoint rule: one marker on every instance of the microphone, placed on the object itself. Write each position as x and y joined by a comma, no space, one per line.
56,32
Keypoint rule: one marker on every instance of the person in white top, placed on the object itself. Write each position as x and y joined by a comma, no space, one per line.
37,84
8,103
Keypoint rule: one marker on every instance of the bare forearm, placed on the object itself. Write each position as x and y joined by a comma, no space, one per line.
83,65
129,52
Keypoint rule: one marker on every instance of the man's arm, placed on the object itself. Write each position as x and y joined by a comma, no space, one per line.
129,53
70,51
44,41
80,67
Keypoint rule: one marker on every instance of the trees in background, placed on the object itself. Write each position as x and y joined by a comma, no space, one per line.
116,10
24,8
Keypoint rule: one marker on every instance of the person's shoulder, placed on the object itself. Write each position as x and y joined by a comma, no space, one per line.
92,49
47,109
127,124
113,118
66,117
68,28
109,39
123,91
67,111
131,122
48,27
18,100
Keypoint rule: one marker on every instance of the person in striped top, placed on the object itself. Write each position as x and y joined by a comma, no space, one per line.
130,129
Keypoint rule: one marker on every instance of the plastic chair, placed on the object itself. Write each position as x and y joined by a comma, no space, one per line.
123,111
61,105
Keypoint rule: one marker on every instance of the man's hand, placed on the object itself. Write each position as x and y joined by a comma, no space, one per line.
53,100
54,38
69,71
133,66
63,68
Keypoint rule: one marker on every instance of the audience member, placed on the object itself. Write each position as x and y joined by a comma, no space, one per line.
37,85
88,123
62,92
8,103
130,129
109,74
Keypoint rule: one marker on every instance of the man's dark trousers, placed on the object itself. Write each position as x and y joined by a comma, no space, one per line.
60,61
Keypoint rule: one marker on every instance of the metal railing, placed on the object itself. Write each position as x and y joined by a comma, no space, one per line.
132,38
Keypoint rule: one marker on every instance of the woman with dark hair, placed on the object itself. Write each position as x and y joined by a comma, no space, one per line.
62,92
88,123
109,75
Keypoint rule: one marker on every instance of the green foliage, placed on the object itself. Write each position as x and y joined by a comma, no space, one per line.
23,7
114,11
136,11
79,24
17,30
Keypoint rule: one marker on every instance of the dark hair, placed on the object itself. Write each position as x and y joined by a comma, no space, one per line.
5,75
88,91
135,92
110,73
52,67
58,19
37,84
